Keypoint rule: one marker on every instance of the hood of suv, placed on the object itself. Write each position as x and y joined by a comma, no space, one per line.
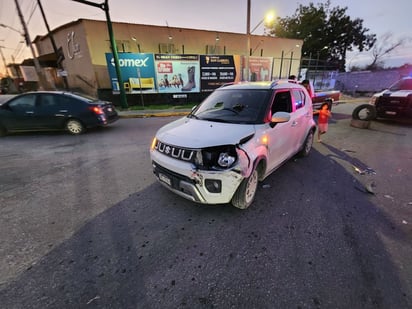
193,133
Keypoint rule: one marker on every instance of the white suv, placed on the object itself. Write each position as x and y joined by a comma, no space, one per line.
236,137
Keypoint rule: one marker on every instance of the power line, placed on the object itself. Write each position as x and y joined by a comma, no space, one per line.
35,4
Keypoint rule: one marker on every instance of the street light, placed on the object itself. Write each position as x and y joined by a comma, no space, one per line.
137,44
105,7
270,17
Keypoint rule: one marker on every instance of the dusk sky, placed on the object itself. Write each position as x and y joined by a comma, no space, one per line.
380,16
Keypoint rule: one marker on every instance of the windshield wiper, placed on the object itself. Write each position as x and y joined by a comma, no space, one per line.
216,120
192,116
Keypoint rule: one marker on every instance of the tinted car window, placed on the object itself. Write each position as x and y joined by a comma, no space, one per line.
48,101
23,103
299,98
282,102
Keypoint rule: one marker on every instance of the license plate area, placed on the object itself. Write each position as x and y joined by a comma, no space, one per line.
165,179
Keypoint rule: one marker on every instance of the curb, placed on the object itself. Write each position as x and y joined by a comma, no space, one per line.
151,114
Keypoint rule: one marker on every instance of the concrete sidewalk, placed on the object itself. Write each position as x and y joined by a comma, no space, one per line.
183,112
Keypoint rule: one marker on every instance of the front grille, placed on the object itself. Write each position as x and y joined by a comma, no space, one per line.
179,153
389,101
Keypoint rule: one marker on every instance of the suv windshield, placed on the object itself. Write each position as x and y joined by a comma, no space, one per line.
403,84
234,106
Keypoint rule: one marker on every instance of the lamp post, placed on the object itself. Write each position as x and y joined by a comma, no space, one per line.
268,18
105,7
137,44
57,51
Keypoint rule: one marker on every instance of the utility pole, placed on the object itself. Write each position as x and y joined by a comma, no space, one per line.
57,51
105,7
42,80
247,58
4,59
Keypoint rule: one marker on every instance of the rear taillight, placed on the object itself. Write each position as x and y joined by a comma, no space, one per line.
97,110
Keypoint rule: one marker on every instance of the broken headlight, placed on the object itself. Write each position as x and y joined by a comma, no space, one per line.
219,157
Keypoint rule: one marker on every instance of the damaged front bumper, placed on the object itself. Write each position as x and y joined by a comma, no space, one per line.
201,186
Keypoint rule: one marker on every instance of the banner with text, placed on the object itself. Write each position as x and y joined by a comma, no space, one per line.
217,70
177,73
137,72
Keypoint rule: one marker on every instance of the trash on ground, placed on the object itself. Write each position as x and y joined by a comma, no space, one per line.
404,222
266,186
388,196
367,170
369,187
348,150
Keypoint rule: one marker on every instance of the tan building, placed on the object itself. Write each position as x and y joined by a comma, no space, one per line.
85,42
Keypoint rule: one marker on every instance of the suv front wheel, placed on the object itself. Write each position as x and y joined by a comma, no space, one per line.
246,192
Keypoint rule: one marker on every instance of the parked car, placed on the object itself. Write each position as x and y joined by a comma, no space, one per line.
319,97
236,137
396,101
54,110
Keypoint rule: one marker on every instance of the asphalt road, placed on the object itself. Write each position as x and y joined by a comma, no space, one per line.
83,224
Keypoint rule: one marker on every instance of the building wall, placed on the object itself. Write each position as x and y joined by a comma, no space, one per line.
368,82
85,43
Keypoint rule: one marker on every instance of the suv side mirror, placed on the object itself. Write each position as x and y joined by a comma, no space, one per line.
279,117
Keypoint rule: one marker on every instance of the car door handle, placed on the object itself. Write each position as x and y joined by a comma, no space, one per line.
63,111
30,113
294,123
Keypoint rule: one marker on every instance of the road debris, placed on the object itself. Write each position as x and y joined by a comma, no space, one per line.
93,299
369,187
368,170
347,150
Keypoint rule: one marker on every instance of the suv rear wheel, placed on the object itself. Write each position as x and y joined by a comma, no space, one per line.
307,145
246,192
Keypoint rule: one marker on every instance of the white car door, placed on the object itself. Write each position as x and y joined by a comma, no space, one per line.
302,116
281,141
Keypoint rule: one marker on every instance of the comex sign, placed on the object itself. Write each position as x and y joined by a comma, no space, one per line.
130,62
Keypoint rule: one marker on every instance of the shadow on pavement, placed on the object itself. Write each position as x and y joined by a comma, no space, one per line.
310,240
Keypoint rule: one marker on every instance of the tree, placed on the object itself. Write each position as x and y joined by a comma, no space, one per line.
383,47
327,33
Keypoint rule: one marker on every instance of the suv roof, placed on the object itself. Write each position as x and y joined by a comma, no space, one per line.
281,83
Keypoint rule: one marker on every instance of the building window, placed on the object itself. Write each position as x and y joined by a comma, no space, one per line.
213,50
167,48
123,46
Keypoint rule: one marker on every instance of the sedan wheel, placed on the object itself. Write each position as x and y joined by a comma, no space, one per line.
245,194
74,127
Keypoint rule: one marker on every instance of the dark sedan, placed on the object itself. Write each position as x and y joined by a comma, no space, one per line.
54,110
